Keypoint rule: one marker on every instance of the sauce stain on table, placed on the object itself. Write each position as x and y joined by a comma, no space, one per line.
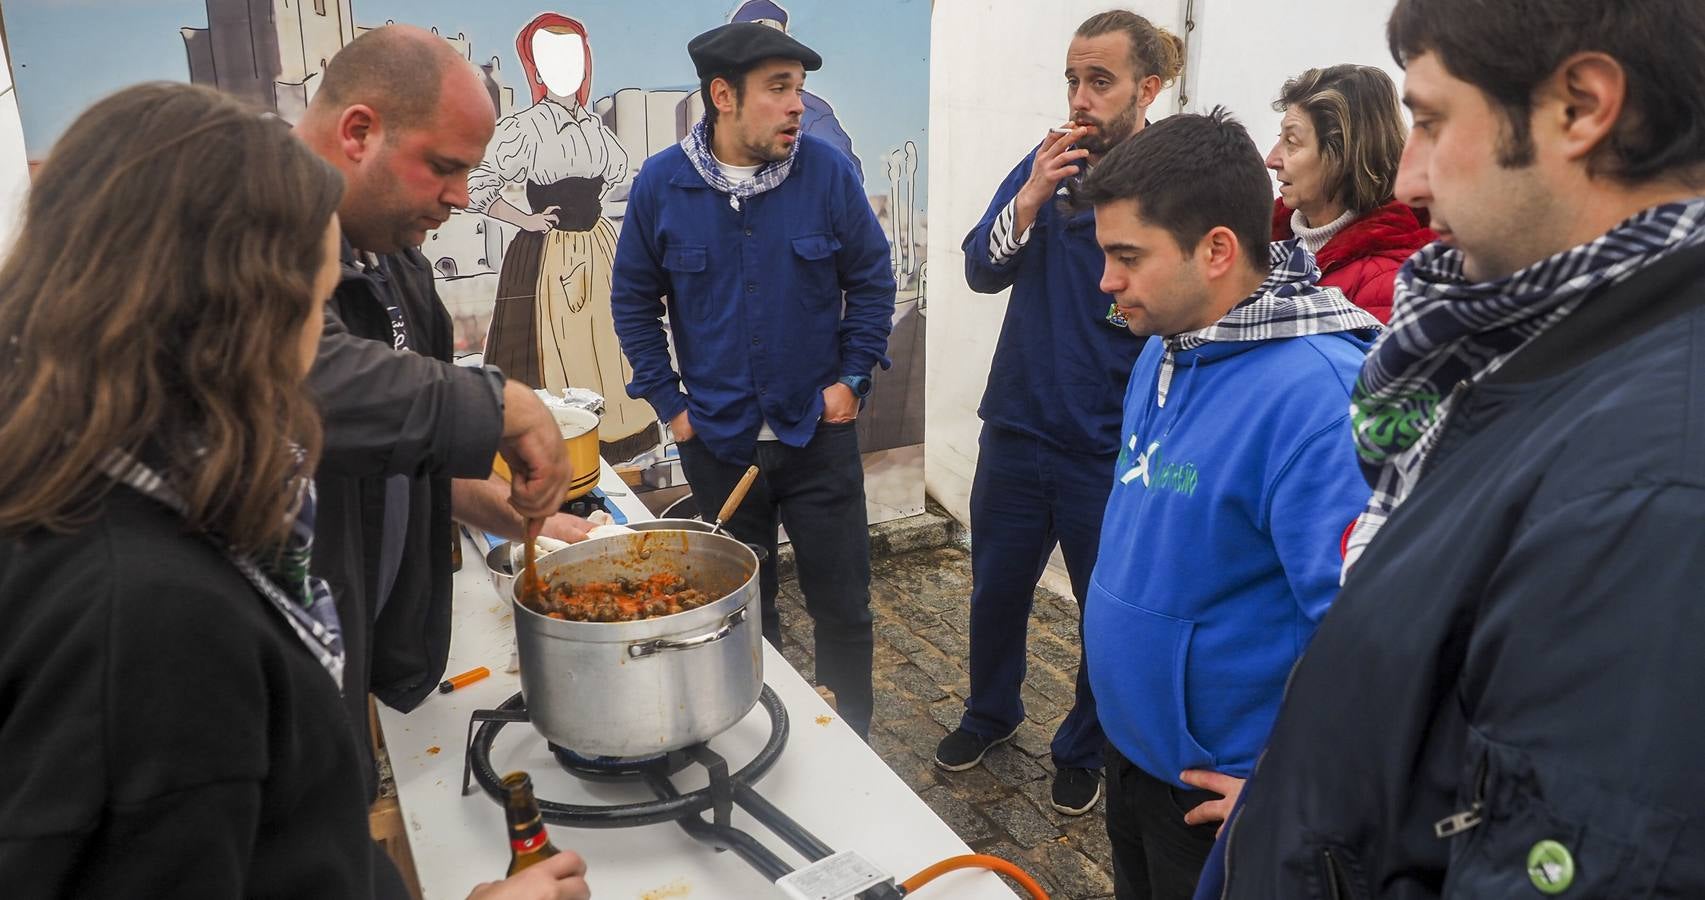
676,888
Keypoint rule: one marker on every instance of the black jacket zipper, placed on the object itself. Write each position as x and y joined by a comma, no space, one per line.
1456,823
1337,884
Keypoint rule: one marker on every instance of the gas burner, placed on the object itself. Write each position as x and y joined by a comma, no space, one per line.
587,504
670,805
619,769
723,792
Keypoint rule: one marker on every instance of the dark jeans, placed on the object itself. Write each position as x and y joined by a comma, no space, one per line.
817,491
1155,855
1027,496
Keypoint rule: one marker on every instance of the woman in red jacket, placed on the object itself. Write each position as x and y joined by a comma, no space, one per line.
1336,163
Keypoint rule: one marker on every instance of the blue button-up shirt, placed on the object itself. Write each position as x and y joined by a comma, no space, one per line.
769,304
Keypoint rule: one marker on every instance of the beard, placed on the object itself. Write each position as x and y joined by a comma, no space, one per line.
377,213
768,151
1110,134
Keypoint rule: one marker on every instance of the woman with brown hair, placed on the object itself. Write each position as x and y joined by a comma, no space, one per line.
1336,163
170,721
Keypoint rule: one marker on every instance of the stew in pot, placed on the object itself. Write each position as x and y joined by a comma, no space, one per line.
622,600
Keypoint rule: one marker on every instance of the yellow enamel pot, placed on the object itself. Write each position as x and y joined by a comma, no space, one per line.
580,439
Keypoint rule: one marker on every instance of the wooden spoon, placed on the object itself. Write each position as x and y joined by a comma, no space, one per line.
532,586
734,498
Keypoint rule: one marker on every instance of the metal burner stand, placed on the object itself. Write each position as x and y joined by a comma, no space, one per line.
719,797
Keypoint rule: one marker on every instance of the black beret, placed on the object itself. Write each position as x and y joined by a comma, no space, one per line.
731,46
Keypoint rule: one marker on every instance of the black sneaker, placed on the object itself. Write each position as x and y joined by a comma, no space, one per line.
961,750
1076,790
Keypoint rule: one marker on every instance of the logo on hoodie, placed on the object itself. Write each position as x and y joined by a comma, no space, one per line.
1156,474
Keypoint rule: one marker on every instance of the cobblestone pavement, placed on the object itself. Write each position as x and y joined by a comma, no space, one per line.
920,600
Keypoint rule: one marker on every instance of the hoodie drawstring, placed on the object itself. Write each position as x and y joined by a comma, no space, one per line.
1165,382
1183,395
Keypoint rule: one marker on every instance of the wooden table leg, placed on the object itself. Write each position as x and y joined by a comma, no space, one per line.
385,819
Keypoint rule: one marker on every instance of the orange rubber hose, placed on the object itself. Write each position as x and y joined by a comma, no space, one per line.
975,861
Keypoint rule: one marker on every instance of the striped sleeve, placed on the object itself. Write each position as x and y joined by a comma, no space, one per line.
1003,245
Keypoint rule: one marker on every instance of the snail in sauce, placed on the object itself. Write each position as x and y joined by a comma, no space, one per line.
621,600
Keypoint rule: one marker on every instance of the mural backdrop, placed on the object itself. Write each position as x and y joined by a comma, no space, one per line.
583,92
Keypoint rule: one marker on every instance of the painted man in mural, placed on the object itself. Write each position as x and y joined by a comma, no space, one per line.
550,326
819,120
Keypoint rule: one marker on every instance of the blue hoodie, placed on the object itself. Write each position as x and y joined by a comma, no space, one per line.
1220,547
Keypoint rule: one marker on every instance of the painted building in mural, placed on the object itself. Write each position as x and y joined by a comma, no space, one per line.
269,52
274,53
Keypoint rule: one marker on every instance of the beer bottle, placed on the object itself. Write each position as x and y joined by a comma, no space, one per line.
528,841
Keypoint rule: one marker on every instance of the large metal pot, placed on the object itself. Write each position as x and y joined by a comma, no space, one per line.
499,560
672,525
641,688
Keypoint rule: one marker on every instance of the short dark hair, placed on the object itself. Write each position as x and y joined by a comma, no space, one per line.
1154,50
392,69
736,78
1358,125
1506,48
1189,175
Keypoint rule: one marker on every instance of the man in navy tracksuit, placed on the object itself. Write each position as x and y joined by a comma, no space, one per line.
780,300
1051,411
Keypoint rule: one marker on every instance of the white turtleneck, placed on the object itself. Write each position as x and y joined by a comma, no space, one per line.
1316,238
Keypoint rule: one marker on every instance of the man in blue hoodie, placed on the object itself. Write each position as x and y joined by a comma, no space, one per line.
1220,548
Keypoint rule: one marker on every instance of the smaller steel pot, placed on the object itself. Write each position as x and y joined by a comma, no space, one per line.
497,564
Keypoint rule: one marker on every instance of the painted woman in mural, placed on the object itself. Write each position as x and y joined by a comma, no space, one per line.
551,325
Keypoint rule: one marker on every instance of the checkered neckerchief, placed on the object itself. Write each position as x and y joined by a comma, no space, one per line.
1447,333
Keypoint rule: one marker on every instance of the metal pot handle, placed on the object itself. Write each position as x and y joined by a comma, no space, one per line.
647,648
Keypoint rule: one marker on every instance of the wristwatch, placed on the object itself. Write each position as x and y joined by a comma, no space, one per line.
860,384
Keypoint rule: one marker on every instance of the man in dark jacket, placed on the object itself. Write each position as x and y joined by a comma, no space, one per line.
1051,410
403,118
1508,697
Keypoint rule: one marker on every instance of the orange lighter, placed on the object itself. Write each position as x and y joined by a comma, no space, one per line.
463,680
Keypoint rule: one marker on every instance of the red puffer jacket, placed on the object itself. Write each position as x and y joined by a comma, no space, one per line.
1362,259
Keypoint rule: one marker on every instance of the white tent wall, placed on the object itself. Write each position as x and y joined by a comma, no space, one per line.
997,85
1241,52
14,165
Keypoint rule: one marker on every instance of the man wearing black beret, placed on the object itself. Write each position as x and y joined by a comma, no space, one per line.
760,245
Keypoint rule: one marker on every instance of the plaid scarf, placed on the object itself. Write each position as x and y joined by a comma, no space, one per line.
1447,333
1289,303
697,147
282,578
